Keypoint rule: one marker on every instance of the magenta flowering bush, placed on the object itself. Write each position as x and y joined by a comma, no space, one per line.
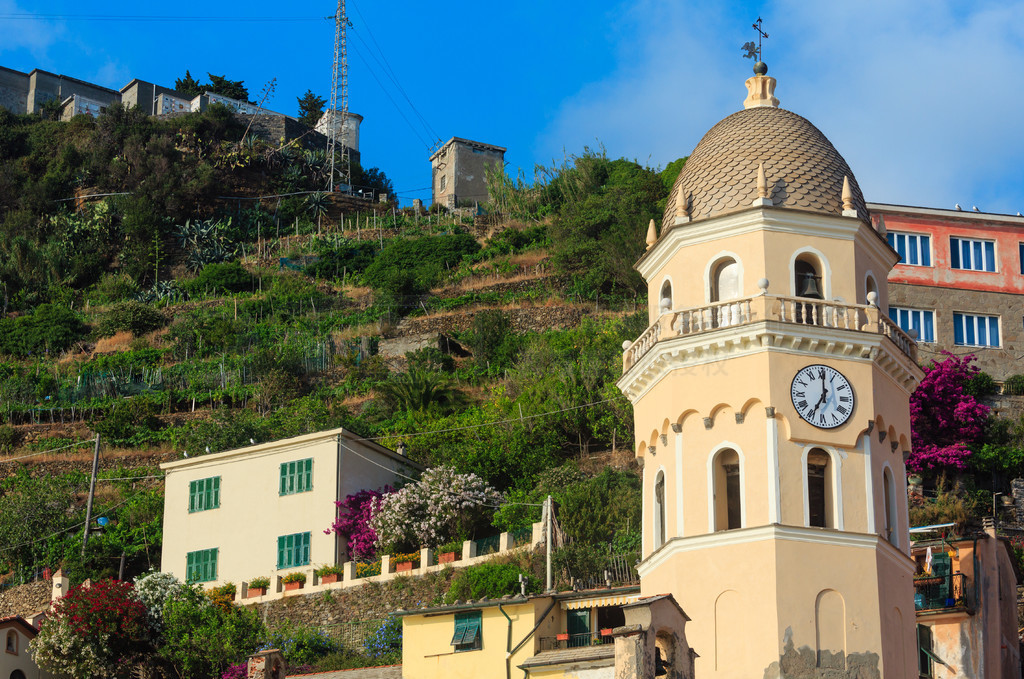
353,521
946,421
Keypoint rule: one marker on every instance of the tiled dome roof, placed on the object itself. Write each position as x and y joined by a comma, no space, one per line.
803,170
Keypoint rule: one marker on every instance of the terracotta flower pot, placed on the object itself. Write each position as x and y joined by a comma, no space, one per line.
255,592
328,579
446,557
289,586
403,566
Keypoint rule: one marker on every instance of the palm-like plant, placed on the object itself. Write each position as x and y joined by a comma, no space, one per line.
317,204
422,391
204,243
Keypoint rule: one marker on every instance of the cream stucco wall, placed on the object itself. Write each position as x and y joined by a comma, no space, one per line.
253,513
21,659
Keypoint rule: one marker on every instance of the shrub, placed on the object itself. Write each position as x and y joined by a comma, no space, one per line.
9,438
222,277
1014,385
113,288
297,576
154,590
386,640
345,259
981,385
493,580
131,316
422,258
50,329
260,582
353,521
300,644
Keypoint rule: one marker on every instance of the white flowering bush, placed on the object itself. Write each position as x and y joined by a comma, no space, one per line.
443,505
154,589
61,650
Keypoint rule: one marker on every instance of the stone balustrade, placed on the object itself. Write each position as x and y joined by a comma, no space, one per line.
388,569
766,307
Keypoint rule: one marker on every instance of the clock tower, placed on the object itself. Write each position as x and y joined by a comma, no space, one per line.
770,395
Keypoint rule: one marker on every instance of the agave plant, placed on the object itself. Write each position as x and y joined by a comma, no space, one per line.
161,291
317,204
204,243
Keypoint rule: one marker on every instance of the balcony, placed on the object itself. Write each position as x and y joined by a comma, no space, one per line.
942,594
793,311
563,641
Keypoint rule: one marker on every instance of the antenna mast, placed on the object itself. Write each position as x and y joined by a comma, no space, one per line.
339,86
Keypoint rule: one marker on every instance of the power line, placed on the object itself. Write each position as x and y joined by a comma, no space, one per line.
144,18
391,99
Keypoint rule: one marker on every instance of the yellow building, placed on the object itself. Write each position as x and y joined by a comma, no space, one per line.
263,510
770,397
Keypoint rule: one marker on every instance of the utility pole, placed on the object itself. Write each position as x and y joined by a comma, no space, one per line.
92,492
548,523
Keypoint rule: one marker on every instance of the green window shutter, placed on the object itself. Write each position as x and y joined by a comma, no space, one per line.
460,630
309,475
213,563
216,493
284,478
190,565
192,496
291,477
305,549
204,565
280,552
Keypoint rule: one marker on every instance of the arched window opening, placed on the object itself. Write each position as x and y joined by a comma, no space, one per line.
665,298
659,510
872,287
820,494
12,642
727,491
889,498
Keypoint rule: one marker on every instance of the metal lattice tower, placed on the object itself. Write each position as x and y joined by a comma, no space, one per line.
339,86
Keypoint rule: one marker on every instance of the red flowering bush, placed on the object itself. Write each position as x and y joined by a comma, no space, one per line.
946,421
97,631
353,522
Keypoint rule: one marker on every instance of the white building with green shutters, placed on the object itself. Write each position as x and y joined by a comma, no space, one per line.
262,510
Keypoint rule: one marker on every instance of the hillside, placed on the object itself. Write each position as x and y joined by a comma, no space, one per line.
199,293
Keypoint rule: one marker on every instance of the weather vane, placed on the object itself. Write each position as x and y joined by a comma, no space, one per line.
752,50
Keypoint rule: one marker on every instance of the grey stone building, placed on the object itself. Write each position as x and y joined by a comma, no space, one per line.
27,92
458,171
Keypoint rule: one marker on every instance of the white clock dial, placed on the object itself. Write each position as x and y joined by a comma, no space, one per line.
822,396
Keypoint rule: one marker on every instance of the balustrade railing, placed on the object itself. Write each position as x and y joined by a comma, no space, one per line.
784,309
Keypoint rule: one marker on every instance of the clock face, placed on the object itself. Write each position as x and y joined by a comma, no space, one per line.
822,396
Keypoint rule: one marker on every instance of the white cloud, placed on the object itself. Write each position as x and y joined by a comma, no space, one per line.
922,99
34,35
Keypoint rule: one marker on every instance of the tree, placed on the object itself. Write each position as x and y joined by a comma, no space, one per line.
188,86
443,505
311,107
92,632
421,391
235,89
946,421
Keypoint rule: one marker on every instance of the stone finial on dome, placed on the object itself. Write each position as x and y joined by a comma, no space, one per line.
881,225
682,215
760,89
652,235
848,208
762,188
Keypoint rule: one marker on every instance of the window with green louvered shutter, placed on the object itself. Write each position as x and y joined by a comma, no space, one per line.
293,550
201,565
296,477
204,494
467,631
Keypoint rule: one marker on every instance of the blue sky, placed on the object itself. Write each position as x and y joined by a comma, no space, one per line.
923,99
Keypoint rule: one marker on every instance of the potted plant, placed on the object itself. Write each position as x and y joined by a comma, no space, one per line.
294,581
328,574
258,586
449,552
406,562
224,594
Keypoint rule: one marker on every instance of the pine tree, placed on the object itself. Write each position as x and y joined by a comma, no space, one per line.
311,107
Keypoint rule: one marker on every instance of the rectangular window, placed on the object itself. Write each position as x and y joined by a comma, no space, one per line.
913,248
204,494
297,476
293,550
972,330
467,631
1020,246
971,254
201,566
924,651
915,319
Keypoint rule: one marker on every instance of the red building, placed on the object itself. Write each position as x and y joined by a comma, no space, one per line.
959,284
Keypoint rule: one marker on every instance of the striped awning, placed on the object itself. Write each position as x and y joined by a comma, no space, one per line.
599,601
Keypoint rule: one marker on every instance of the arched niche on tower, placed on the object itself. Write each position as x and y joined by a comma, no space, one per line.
723,278
871,286
890,508
666,302
726,501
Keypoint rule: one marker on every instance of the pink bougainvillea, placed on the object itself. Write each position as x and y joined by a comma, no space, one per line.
353,521
946,421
